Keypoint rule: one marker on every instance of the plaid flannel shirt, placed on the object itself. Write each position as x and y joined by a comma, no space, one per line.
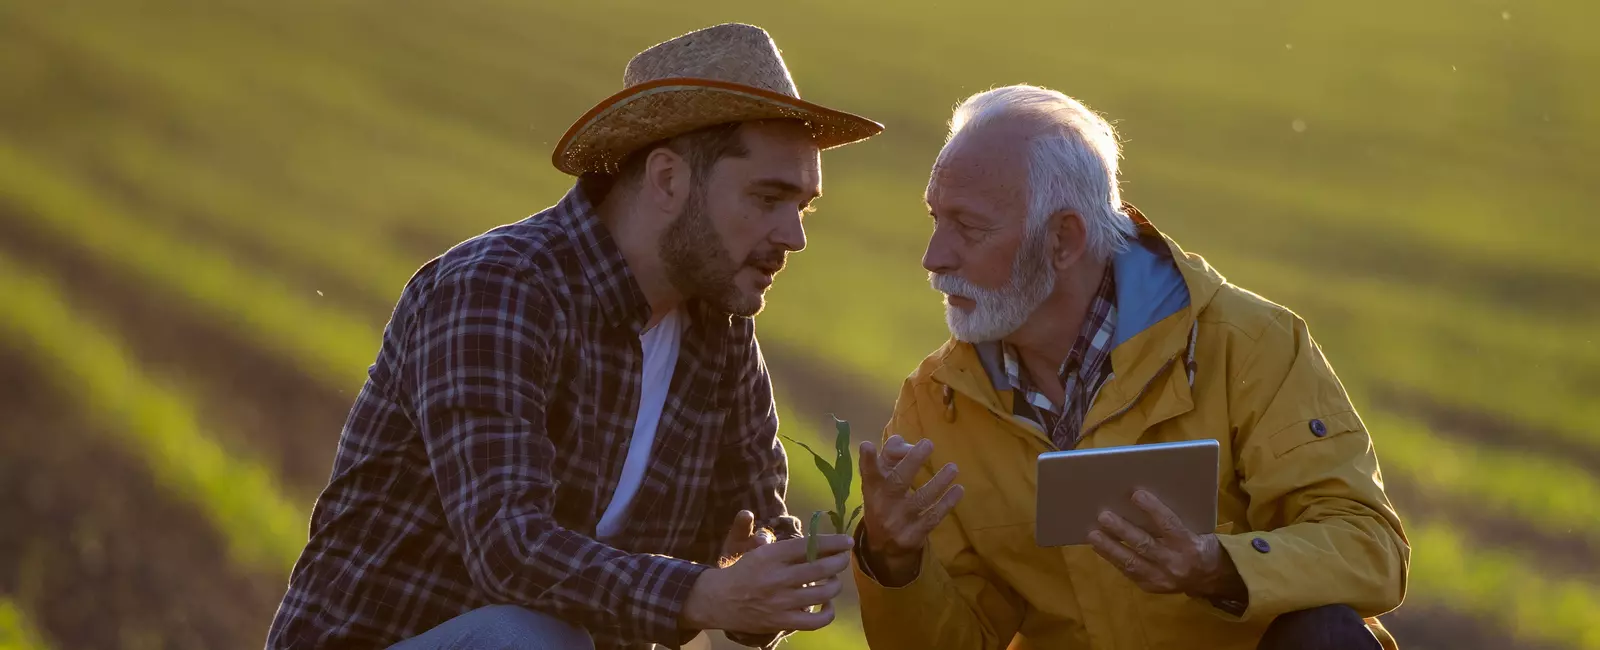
491,433
1084,371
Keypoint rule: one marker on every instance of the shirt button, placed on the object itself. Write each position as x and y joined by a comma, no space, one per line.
1318,429
1260,545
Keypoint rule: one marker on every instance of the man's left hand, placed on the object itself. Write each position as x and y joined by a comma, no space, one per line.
1169,559
743,537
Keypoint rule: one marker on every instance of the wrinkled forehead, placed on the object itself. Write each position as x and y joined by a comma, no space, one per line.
978,166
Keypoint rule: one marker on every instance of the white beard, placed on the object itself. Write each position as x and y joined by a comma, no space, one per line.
999,312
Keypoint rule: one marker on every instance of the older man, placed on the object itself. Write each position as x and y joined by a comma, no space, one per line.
1077,324
568,438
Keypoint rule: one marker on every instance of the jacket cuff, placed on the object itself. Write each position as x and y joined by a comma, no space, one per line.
909,602
1253,556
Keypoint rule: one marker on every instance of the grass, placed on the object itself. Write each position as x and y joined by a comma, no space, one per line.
1549,494
16,632
242,498
337,348
323,93
1447,571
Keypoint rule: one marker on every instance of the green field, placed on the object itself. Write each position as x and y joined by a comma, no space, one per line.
207,210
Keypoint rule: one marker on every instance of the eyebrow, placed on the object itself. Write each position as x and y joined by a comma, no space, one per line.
786,187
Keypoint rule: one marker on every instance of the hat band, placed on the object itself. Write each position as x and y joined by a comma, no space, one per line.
661,86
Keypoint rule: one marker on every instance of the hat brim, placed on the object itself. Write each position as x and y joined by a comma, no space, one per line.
633,118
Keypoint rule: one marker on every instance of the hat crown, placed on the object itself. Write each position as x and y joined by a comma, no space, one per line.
733,52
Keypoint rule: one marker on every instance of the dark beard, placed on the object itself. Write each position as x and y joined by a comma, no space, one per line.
698,263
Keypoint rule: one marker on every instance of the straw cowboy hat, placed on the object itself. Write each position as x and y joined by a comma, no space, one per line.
726,73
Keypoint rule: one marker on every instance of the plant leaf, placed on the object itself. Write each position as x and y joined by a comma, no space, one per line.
811,536
827,470
851,524
802,445
843,467
838,522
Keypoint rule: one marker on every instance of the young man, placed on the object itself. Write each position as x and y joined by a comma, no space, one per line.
568,437
1077,324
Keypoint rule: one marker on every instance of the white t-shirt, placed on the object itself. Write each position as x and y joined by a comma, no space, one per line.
660,345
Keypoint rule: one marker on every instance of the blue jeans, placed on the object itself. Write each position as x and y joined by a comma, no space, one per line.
1330,627
500,627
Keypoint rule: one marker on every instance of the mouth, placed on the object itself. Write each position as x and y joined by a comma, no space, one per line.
765,273
767,267
959,301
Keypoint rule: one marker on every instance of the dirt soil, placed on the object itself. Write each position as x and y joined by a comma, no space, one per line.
98,554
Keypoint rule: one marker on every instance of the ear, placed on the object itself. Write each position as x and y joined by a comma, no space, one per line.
666,181
1072,239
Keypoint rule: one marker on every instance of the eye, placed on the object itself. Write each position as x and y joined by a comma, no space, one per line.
770,201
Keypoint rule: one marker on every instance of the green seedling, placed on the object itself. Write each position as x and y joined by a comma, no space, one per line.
840,474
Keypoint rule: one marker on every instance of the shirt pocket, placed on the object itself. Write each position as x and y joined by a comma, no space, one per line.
1312,430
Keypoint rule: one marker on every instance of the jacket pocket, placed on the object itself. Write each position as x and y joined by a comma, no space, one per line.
1311,430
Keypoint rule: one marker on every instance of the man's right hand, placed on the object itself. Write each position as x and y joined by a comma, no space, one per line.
771,588
898,519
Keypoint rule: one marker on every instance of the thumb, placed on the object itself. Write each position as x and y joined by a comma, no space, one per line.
743,526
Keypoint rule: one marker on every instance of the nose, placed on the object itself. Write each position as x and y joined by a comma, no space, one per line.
941,255
791,233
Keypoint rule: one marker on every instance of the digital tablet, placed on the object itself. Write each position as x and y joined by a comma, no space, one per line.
1076,486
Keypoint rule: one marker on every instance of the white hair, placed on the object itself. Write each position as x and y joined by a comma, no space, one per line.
1072,162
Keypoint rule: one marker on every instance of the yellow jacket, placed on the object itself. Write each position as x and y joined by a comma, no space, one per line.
1298,471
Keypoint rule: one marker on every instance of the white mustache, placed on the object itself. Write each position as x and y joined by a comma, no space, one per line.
952,285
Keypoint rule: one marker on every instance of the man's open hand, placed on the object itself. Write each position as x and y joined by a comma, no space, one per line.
897,517
1169,559
771,588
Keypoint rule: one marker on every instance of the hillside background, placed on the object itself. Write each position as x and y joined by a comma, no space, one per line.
208,208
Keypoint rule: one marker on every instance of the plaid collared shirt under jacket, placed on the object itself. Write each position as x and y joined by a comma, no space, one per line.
1085,370
491,433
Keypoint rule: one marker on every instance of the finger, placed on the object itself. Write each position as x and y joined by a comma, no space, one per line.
870,471
895,448
812,594
822,569
1166,521
1121,530
901,474
763,537
929,493
805,621
929,519
1136,568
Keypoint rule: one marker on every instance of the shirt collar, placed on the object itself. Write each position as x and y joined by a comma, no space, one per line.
621,298
1093,343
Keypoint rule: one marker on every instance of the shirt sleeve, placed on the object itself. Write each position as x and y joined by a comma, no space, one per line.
752,471
480,371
